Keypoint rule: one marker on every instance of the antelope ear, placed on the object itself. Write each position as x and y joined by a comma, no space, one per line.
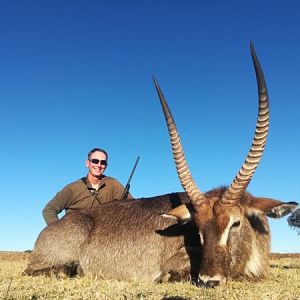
282,210
180,213
272,208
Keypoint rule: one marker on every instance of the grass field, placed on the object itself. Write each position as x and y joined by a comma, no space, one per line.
283,283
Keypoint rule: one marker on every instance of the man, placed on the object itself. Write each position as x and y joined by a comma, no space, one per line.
87,192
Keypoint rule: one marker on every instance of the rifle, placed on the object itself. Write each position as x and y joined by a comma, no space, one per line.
127,187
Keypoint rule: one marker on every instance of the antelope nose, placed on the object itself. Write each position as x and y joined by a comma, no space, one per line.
212,283
208,284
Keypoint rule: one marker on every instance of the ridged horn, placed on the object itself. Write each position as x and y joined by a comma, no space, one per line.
183,170
244,176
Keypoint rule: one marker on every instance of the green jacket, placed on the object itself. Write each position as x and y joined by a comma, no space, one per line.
81,195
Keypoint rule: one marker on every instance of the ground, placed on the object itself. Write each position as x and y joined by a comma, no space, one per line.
283,283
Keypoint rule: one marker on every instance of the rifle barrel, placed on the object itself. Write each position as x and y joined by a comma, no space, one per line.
127,187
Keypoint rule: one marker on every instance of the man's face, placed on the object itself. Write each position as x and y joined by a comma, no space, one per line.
97,163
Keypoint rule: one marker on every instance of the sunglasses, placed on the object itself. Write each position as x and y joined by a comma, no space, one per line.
96,161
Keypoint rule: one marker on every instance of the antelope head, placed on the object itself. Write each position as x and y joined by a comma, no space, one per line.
232,224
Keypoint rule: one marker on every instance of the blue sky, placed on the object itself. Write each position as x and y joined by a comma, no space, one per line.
77,74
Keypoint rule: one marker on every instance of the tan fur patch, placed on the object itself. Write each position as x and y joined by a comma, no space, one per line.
254,264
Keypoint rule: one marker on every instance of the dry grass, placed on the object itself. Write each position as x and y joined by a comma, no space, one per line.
283,283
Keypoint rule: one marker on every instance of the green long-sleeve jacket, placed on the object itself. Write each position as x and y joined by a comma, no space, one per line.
81,195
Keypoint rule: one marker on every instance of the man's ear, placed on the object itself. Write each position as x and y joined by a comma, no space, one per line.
87,163
270,207
180,213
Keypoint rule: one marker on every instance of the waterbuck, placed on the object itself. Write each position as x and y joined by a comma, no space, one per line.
209,237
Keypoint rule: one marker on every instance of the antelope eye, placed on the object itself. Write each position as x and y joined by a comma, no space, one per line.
236,224
201,238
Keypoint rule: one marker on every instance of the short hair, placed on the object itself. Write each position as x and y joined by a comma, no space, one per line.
95,150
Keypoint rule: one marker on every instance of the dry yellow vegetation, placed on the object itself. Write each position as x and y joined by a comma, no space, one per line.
283,283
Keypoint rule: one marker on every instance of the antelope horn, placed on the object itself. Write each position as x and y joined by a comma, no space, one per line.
183,171
243,178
